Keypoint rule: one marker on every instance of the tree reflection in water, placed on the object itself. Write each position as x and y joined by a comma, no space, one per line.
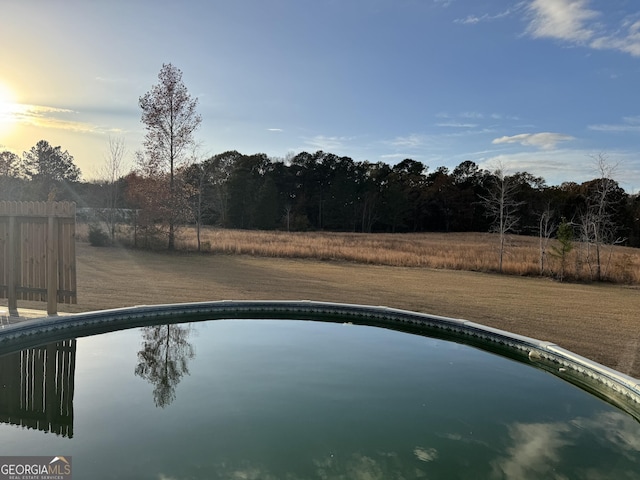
164,360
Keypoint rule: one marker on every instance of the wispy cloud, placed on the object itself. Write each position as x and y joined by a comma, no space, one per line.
275,130
628,41
498,116
471,115
48,117
561,19
486,17
544,140
574,22
629,124
456,125
323,142
414,140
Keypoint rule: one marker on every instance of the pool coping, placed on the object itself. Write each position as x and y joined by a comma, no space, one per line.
615,387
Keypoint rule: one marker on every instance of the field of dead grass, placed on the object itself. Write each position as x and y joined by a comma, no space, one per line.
455,251
476,252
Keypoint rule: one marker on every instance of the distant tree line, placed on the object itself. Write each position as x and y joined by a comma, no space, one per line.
323,191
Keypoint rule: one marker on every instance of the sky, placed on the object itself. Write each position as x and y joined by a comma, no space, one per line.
542,86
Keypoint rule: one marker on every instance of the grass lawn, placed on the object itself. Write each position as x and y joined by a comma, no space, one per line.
598,321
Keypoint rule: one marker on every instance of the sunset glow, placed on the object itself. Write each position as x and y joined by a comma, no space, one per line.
9,109
7,103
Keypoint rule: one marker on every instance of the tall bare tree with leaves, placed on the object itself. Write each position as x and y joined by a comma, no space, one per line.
501,206
170,116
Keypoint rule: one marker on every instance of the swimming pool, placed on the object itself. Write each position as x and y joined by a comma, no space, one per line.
308,390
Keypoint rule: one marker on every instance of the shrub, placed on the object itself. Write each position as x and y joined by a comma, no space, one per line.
98,237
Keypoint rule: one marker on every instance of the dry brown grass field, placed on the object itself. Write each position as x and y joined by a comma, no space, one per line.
455,251
596,320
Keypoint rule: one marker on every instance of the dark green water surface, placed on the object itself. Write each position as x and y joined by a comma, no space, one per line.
268,399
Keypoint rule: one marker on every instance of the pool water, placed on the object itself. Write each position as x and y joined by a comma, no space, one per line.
287,399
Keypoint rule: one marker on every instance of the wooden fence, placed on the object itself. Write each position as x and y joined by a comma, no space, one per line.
37,253
38,386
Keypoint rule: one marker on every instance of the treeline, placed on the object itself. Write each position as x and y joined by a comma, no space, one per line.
323,191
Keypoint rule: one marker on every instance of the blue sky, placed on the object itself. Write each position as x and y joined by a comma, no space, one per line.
538,85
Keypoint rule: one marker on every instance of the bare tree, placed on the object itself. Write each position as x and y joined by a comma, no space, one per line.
597,225
198,206
112,172
502,207
546,227
196,175
169,114
288,209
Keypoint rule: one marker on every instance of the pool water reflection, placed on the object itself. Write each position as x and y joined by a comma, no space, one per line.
270,399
